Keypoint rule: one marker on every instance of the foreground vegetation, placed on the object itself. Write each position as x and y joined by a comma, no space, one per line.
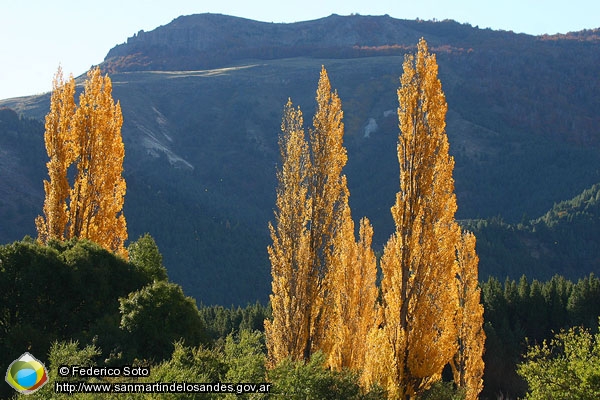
49,307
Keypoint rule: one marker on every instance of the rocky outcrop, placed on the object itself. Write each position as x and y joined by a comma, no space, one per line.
214,40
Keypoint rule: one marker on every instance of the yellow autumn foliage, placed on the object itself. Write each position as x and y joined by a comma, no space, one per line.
86,139
427,314
416,335
287,333
467,364
314,255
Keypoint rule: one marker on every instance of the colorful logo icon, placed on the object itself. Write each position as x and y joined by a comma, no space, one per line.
26,374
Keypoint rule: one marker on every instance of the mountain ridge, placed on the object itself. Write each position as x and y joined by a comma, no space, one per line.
214,40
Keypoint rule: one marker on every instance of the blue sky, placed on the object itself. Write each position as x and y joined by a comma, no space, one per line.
38,35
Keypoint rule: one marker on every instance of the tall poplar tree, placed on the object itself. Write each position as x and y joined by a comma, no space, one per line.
60,148
311,199
416,334
329,196
87,137
467,364
353,295
288,332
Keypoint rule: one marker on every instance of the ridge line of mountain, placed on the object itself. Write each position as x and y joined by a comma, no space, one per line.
207,40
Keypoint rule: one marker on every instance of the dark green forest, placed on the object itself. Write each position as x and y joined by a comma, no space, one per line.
562,241
76,303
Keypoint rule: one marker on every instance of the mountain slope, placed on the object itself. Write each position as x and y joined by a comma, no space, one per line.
564,241
21,173
202,99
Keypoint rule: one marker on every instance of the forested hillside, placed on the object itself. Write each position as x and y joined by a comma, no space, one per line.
202,100
563,241
110,323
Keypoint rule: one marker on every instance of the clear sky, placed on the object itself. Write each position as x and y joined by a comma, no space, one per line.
38,35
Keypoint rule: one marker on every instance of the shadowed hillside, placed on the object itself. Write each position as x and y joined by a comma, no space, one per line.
202,99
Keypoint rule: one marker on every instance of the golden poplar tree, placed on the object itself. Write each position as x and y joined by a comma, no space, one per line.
467,364
90,134
99,187
353,295
328,192
416,334
311,197
288,332
59,146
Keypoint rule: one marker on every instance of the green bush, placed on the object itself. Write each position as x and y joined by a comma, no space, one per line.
566,367
158,315
312,380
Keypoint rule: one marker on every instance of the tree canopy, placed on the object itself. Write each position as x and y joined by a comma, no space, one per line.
85,138
565,367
